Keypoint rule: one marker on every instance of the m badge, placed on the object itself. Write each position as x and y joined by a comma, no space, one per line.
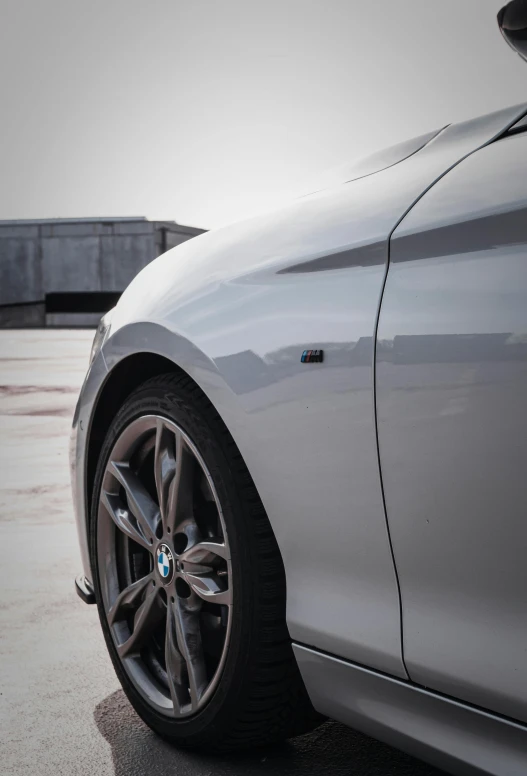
312,357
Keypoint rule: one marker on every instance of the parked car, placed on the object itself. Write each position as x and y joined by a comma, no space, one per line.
299,461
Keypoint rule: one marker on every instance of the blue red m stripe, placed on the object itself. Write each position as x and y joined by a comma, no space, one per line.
312,356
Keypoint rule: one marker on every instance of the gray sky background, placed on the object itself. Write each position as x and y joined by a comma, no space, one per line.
207,111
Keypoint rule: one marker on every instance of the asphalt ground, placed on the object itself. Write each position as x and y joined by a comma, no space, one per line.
62,712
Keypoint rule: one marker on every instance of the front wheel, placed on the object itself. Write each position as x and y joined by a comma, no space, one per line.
189,581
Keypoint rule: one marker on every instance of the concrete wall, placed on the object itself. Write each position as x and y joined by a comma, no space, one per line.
23,316
85,255
20,266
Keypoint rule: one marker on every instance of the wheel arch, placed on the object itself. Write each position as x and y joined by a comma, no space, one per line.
134,353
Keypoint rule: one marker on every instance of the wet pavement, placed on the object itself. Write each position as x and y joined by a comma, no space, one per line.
61,710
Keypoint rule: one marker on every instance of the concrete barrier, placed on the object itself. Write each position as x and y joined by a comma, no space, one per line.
65,256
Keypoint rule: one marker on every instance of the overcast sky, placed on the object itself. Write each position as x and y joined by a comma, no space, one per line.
207,111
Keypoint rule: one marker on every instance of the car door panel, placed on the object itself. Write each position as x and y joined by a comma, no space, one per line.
451,382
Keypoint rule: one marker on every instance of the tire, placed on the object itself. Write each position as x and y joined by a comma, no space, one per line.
259,697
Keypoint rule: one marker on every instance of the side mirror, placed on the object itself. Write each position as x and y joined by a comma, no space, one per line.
512,21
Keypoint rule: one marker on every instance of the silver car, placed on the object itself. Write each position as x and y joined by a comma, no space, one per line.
299,461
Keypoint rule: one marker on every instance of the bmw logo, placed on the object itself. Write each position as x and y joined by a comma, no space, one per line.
165,563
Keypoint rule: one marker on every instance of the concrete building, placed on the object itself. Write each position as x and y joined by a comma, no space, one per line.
68,272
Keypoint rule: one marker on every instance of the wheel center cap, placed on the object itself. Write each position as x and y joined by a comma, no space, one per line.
165,563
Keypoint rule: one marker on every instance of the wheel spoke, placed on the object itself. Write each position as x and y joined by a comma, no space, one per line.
140,503
123,519
181,496
199,569
148,615
129,598
209,587
164,467
190,530
188,635
204,552
175,663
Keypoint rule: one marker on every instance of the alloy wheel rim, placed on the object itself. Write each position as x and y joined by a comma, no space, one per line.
164,566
